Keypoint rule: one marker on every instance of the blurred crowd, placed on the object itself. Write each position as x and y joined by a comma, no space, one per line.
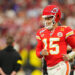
21,19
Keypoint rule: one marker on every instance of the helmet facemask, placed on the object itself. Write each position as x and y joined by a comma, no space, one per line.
52,22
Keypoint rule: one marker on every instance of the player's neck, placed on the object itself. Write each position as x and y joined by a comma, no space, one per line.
55,26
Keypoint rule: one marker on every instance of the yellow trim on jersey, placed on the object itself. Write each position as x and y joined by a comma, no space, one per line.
38,37
64,26
70,33
19,62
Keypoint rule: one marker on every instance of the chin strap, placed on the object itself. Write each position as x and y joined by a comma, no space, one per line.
49,27
53,21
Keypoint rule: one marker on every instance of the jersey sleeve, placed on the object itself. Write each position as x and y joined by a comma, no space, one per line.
38,37
68,32
18,62
39,46
71,38
71,41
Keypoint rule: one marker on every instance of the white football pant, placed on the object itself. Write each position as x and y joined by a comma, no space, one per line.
62,68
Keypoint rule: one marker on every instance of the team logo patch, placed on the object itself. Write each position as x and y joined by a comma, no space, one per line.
60,34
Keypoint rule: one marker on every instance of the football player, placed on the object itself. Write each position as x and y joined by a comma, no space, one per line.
53,40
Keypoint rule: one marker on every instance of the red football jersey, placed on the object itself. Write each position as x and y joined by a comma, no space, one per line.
54,42
71,40
74,30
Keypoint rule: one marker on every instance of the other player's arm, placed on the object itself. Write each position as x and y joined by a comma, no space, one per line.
2,72
17,64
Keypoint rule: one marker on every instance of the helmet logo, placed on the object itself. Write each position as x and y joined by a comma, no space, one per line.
55,10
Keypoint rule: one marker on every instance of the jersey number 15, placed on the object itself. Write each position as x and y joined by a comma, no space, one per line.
51,45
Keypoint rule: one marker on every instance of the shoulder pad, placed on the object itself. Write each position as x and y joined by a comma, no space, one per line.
64,26
42,30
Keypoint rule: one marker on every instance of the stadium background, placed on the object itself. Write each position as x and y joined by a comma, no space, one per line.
22,19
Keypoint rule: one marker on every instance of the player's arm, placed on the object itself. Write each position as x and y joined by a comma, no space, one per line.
40,52
13,73
39,48
17,63
2,72
70,38
71,42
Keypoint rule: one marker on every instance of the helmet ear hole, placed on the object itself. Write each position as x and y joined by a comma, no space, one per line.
58,16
